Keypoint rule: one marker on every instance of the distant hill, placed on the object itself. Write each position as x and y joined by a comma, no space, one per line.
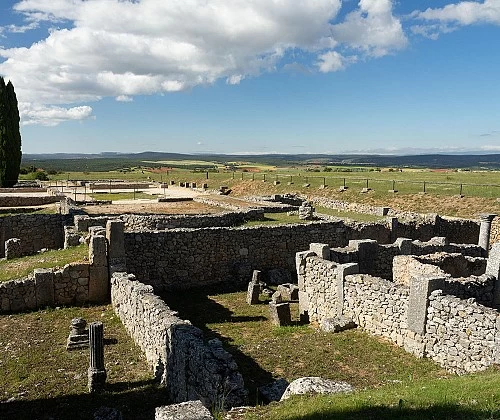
114,161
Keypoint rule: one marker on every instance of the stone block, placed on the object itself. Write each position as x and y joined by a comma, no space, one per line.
257,276
44,288
189,410
321,250
98,287
13,248
288,291
116,242
337,324
81,223
98,251
420,290
253,293
280,314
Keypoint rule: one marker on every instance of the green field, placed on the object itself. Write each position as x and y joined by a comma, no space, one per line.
449,183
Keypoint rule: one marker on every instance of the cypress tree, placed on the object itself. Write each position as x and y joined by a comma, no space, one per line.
10,135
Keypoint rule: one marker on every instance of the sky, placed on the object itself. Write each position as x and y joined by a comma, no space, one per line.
254,76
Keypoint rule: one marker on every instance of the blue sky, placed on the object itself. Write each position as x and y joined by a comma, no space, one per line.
254,76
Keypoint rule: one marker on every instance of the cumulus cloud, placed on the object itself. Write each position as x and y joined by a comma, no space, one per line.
372,28
334,61
123,48
454,15
51,115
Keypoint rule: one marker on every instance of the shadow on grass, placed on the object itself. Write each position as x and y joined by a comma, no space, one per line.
135,400
198,308
441,412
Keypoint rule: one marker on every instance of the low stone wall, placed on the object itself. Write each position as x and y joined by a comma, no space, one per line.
377,259
439,264
189,367
460,334
35,231
414,225
75,284
21,201
162,222
187,258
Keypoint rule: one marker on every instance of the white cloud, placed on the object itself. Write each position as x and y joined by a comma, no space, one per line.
333,61
464,13
123,48
51,115
124,98
372,28
454,15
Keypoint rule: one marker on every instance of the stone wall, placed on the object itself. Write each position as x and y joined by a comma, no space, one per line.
495,230
20,201
460,334
188,366
36,231
414,225
162,222
75,284
377,259
187,258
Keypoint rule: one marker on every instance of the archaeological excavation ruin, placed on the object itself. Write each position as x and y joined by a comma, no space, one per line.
429,284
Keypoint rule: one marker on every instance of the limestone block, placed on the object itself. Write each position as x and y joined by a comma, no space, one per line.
44,287
190,410
253,293
337,324
321,250
315,385
13,248
280,314
115,237
98,287
97,251
420,289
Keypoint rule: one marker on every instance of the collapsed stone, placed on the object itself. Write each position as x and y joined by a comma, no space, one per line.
315,385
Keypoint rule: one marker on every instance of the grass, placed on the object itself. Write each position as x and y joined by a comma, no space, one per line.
359,217
389,382
41,380
272,219
26,210
265,352
21,267
468,397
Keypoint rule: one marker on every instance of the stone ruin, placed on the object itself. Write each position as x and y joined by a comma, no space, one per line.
433,304
434,298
